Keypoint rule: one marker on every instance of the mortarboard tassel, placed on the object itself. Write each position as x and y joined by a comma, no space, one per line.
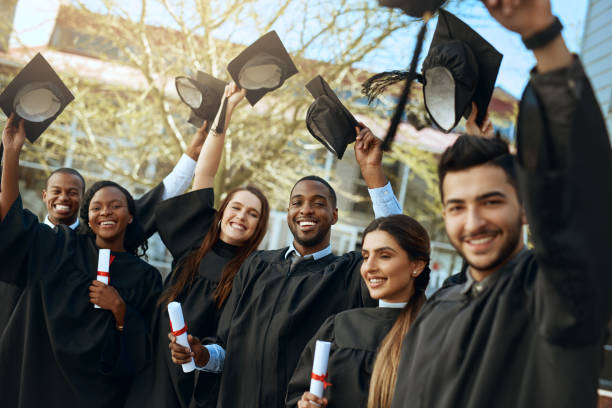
410,76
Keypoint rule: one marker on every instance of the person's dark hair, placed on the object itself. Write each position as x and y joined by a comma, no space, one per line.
135,240
414,240
187,269
67,170
332,193
469,151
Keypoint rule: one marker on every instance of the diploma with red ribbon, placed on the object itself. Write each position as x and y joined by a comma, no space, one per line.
179,330
104,262
318,378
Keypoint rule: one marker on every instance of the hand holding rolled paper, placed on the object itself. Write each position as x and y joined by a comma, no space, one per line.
318,380
179,331
309,400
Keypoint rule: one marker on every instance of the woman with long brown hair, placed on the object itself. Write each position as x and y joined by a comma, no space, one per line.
208,247
366,342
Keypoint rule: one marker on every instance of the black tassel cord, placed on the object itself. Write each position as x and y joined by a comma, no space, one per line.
376,84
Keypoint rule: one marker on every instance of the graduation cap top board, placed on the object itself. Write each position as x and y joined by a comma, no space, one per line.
327,119
36,94
414,8
203,95
262,67
460,67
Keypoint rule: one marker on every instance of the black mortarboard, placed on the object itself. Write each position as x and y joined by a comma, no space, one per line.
327,119
262,67
460,67
203,95
36,94
414,8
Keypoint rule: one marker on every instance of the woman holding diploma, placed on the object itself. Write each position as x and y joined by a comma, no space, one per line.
208,247
58,350
365,342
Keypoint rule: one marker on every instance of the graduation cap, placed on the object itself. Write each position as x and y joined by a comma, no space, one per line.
37,95
377,83
414,8
262,67
460,67
203,95
327,119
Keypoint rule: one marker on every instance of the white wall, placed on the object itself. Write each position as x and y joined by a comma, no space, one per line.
597,53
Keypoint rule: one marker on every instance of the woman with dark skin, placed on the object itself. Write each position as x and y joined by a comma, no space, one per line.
81,356
367,341
208,247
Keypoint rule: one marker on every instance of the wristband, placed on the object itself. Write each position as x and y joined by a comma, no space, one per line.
543,37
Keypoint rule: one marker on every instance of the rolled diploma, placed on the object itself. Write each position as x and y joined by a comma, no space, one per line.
319,367
103,267
177,323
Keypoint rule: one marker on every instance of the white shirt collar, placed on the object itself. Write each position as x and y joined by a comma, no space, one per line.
72,226
317,255
399,305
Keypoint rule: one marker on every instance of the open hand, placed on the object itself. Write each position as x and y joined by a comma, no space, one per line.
13,136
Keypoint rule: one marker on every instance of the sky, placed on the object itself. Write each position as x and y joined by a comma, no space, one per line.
34,21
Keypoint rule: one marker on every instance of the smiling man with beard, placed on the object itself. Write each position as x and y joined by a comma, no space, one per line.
519,327
281,297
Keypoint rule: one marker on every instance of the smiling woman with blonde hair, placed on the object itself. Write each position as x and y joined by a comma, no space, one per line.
366,342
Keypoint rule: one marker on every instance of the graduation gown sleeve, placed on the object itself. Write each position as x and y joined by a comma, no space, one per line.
565,165
145,208
184,220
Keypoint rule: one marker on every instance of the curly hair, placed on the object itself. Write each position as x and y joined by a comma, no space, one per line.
135,240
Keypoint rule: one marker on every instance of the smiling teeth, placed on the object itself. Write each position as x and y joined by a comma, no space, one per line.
306,223
238,226
480,241
61,207
107,223
376,280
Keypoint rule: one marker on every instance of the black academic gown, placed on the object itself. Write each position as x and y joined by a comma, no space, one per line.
530,335
183,222
355,336
145,206
272,312
57,349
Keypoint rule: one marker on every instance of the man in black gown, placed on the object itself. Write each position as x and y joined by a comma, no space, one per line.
522,328
281,297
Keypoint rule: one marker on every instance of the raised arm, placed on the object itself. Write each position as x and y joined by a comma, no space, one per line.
368,152
210,155
13,138
565,165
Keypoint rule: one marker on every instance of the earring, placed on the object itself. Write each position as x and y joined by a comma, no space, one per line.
219,224
414,273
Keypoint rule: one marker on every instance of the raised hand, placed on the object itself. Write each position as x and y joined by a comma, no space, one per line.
524,17
234,95
368,148
194,148
471,128
13,135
